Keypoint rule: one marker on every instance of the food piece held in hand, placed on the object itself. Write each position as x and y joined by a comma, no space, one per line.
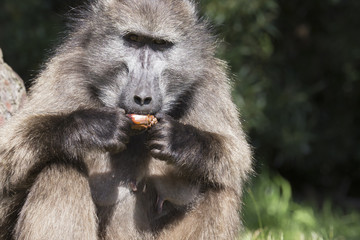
142,122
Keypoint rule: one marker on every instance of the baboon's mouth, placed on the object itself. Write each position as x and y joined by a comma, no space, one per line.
129,110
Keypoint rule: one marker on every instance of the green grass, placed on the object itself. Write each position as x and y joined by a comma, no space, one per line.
270,213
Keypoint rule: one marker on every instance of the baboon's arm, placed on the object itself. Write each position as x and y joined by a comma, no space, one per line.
201,155
42,139
207,144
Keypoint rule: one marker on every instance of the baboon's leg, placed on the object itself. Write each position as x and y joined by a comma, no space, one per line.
58,206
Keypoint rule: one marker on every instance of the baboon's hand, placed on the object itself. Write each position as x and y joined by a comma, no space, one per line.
106,128
162,137
182,144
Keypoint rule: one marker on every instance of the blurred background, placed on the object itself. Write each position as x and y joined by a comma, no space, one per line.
296,67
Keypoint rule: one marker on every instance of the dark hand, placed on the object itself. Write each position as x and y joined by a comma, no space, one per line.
194,151
105,128
160,138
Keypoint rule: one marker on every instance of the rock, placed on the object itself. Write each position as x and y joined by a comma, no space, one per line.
12,91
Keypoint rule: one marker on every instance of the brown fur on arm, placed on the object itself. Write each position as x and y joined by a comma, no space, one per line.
50,138
207,144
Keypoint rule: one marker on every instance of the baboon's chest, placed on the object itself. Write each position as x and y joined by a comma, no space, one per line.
115,178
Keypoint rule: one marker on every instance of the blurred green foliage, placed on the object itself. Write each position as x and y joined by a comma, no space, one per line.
29,30
271,214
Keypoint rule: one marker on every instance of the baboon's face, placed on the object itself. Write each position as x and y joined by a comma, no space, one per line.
143,56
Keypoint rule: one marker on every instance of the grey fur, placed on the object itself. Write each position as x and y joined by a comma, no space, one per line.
70,167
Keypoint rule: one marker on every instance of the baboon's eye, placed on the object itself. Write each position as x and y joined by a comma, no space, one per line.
160,42
135,38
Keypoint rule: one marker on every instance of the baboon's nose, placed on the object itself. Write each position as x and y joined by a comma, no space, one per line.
142,100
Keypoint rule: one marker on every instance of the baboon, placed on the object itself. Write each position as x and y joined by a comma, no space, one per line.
71,167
